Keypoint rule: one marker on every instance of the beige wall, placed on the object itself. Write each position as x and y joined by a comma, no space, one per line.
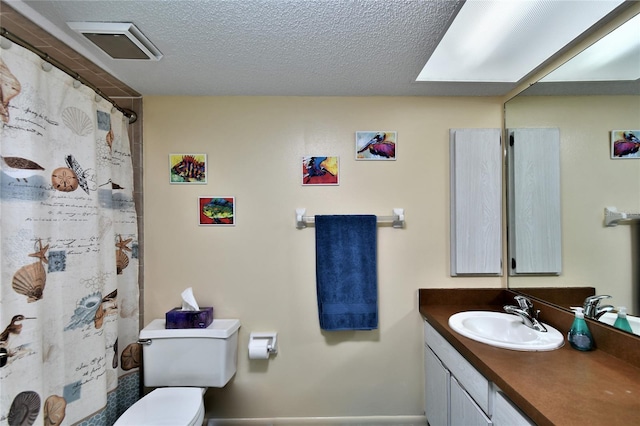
262,271
592,254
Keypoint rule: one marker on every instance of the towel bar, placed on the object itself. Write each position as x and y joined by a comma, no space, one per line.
612,216
397,220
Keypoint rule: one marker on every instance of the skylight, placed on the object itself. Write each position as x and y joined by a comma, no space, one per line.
614,57
504,40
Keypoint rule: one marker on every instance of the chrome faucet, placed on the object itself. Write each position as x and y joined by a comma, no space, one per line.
592,308
525,311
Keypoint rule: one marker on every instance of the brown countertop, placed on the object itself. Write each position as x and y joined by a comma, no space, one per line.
560,387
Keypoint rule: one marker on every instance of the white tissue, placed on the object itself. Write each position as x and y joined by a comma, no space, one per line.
189,301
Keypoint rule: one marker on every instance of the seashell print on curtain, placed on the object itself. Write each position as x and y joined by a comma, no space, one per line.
69,245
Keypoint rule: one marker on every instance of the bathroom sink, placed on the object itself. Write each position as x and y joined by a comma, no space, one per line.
610,318
504,330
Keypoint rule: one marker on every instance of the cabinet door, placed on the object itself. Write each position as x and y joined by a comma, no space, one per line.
533,180
476,201
475,383
464,411
507,414
436,387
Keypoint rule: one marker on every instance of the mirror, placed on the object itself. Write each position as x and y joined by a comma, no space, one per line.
592,177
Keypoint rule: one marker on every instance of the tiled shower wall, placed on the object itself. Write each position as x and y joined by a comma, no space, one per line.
125,97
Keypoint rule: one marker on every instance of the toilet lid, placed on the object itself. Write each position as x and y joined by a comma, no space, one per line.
165,406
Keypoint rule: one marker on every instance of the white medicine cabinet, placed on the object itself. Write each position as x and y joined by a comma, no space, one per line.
476,201
533,195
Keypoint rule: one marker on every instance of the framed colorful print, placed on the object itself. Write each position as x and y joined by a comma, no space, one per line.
320,171
625,144
188,168
217,211
376,145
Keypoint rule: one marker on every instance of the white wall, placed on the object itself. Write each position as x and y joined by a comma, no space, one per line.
262,271
592,254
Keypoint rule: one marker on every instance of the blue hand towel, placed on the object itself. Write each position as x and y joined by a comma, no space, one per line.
346,272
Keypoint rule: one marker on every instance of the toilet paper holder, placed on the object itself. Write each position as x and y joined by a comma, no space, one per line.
270,337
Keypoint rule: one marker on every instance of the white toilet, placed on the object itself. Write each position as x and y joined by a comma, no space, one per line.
186,362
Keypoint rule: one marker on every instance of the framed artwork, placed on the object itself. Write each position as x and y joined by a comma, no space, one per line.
188,168
320,171
625,144
217,211
376,145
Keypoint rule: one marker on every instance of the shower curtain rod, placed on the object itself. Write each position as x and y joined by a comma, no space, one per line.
131,115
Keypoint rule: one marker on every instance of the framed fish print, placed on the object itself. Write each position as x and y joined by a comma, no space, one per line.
376,145
188,168
625,144
320,171
217,211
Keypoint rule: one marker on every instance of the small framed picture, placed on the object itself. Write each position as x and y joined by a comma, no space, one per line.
376,145
320,171
188,168
625,144
217,211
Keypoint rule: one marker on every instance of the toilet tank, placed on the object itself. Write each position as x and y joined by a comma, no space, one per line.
203,357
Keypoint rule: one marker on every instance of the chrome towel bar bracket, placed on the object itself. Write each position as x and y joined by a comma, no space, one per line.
612,216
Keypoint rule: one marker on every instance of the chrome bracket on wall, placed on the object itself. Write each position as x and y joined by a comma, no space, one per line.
612,216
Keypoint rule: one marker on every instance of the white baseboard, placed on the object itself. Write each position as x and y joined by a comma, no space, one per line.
324,421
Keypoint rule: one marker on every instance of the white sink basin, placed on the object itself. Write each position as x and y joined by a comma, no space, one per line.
504,330
610,318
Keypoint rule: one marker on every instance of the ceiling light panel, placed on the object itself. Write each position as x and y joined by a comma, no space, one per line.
614,57
504,40
119,40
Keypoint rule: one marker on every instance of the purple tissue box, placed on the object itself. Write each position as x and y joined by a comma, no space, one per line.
177,318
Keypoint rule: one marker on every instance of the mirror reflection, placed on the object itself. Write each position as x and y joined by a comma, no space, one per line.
591,117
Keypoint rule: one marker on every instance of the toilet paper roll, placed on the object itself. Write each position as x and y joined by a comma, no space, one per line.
258,349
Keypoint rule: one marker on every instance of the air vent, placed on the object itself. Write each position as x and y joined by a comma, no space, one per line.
119,40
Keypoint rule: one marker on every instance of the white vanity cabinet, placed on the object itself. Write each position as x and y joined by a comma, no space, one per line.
464,410
437,384
507,414
456,394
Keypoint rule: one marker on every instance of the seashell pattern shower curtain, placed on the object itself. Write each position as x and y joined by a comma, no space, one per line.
68,238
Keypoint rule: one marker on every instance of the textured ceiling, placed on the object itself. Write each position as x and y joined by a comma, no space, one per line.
270,47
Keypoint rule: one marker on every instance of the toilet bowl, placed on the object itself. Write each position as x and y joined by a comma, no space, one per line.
166,407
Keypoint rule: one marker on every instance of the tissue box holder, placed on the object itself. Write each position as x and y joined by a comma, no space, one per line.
177,318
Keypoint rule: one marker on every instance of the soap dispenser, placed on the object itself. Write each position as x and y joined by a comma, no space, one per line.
622,322
579,336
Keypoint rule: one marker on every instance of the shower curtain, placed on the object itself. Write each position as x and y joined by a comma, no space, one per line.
68,236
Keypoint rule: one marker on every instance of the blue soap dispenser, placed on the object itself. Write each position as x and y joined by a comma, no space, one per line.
622,322
579,336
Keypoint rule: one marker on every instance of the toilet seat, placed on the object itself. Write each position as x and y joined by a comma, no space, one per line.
166,406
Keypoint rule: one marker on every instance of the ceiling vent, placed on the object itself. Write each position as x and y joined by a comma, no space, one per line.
119,40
